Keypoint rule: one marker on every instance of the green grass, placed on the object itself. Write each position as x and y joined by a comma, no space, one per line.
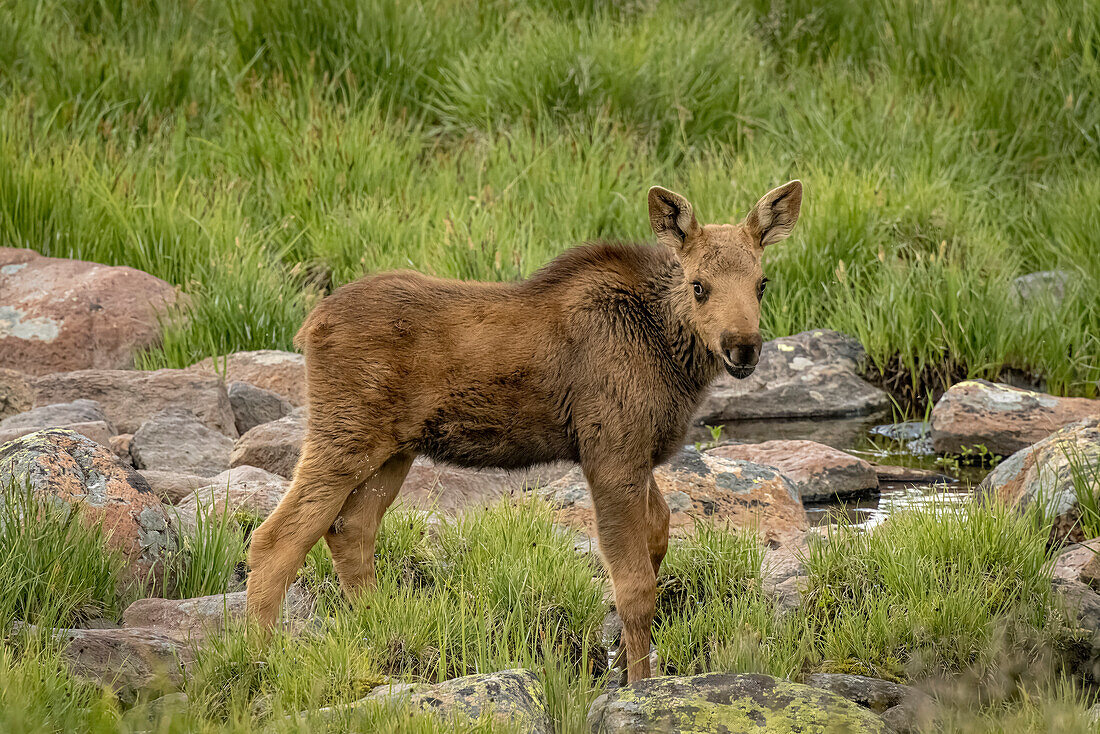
257,154
208,554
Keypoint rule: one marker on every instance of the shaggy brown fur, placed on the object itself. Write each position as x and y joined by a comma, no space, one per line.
600,358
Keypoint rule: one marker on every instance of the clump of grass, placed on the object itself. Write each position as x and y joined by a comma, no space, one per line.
209,552
935,592
55,569
1084,474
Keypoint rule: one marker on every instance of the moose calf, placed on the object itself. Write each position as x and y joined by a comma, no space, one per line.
601,358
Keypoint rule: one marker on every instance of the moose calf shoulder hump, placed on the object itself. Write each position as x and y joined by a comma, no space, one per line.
601,358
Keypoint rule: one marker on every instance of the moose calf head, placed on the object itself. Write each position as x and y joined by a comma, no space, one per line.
723,281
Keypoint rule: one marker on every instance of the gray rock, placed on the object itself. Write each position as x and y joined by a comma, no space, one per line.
904,708
513,698
273,446
820,472
131,397
97,431
1044,475
198,617
725,702
1044,285
174,439
57,415
283,373
173,486
812,374
907,431
254,406
1004,419
248,489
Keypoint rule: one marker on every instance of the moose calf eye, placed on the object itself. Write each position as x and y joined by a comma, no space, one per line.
700,292
760,289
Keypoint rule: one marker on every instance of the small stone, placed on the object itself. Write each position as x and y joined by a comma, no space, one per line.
174,439
253,406
173,486
248,489
273,446
120,444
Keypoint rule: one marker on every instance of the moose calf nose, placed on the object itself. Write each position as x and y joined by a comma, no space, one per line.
741,351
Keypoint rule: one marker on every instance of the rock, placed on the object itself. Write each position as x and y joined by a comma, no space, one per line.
726,702
120,444
172,486
784,577
283,373
97,431
65,467
273,446
127,661
58,414
174,439
512,698
1072,562
819,472
812,374
245,489
130,397
910,475
16,393
740,493
1045,473
903,708
1044,285
253,406
901,432
58,315
1003,419
196,618
452,490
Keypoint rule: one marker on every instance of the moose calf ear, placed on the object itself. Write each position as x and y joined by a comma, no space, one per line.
773,217
671,217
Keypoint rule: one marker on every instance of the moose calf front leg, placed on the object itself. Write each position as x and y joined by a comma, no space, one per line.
623,526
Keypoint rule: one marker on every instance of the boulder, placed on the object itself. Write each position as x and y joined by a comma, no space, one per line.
130,397
511,698
1004,419
1044,285
201,616
1046,475
283,373
58,315
700,487
127,661
1078,562
172,486
174,439
727,702
820,472
97,431
58,414
65,467
273,446
452,490
814,374
904,708
253,406
16,393
247,489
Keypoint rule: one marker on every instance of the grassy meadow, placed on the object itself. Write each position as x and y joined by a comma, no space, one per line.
260,153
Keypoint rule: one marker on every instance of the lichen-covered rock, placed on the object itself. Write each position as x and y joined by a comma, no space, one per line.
254,406
905,708
721,491
819,472
16,393
175,440
453,490
63,466
725,703
1002,418
128,661
131,397
1043,475
512,698
201,616
809,375
283,373
244,489
273,446
58,315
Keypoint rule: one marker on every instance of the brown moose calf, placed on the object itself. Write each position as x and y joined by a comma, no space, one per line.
600,358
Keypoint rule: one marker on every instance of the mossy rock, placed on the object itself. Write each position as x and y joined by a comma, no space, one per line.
726,703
